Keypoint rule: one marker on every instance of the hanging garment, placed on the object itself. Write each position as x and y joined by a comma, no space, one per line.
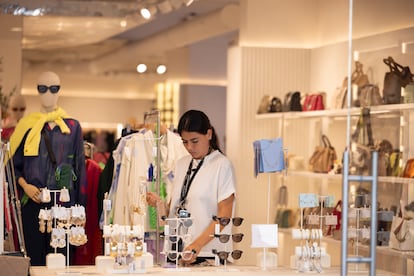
86,254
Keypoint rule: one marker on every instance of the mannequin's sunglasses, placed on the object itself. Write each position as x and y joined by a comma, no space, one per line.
43,88
237,221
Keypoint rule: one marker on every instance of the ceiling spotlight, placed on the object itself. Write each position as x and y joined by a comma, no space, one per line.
141,68
161,69
145,13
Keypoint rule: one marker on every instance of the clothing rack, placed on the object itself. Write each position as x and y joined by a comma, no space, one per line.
153,117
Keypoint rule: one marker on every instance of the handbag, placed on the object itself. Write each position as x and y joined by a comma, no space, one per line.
264,105
402,232
409,169
314,102
360,153
369,95
323,158
337,212
358,79
292,102
385,150
275,105
397,77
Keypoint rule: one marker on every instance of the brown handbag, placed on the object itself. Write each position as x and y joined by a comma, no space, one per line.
323,158
409,169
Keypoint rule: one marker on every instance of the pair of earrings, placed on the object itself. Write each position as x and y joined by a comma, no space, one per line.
58,238
64,195
77,236
45,220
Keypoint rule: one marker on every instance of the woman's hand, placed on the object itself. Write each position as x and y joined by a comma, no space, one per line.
32,192
194,249
152,199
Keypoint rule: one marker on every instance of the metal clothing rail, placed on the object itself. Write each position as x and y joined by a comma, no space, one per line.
154,118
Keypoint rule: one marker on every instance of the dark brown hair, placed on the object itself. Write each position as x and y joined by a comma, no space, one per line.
197,121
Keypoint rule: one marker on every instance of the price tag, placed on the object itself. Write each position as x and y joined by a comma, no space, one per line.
331,220
313,219
308,200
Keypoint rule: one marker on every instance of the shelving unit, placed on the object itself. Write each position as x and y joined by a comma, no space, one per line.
391,122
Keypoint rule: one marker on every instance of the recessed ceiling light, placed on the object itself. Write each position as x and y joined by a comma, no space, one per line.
161,69
145,13
141,68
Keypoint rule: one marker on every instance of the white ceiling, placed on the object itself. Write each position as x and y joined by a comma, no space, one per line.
102,35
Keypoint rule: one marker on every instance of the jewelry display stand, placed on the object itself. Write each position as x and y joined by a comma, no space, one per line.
125,251
310,256
66,226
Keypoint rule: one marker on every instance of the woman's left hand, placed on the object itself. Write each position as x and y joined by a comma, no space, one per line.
195,249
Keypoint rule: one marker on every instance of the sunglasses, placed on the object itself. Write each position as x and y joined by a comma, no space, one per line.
21,109
43,88
175,223
223,238
237,221
185,255
223,255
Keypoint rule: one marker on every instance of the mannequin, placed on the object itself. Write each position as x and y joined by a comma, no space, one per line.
34,166
15,111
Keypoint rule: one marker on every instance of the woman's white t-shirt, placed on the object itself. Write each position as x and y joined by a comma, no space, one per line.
214,182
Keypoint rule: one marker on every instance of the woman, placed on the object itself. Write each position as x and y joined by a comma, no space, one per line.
204,186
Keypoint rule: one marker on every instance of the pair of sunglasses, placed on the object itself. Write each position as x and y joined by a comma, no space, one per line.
186,238
21,109
237,221
223,238
223,255
185,255
43,88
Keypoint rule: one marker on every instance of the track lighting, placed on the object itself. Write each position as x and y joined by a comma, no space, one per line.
159,69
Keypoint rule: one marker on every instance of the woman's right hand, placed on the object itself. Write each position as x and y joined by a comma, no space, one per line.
152,199
32,192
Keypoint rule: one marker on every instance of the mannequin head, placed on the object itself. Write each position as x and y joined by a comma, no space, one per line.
48,86
17,107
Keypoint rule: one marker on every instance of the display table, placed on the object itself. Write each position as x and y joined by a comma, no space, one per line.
194,271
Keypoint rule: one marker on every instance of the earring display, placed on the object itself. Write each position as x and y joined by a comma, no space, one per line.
65,225
123,243
310,256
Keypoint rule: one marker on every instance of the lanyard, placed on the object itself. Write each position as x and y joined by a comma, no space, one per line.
188,180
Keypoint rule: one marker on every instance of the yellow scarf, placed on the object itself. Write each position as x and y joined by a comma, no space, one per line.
35,122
